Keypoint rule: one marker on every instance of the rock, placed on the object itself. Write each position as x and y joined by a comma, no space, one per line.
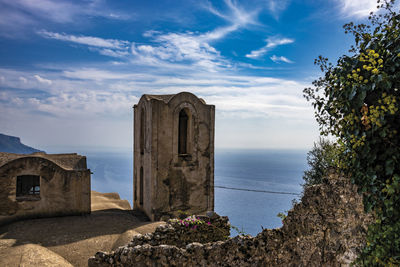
212,215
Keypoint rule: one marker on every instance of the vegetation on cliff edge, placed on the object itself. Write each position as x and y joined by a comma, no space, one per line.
357,101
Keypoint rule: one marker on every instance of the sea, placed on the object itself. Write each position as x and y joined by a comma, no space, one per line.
251,186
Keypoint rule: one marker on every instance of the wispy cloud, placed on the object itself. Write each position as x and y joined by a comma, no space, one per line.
357,8
57,11
272,42
18,16
41,80
78,96
276,7
93,74
190,48
93,91
187,47
236,14
86,40
107,47
277,59
161,61
23,79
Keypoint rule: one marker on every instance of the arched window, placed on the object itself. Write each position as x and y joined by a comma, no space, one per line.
141,186
142,130
183,132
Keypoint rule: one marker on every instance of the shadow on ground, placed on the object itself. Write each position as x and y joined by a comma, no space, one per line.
73,238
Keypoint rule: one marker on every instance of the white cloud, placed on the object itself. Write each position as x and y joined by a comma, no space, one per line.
236,14
107,94
87,104
196,47
19,16
106,47
239,16
276,7
180,47
272,42
277,59
23,79
58,11
76,88
43,80
87,40
167,49
169,62
95,74
357,8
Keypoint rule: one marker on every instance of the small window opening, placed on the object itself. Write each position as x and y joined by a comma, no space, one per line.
141,186
142,131
135,189
183,131
28,185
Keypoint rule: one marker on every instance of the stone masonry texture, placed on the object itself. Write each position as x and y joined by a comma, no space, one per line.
327,228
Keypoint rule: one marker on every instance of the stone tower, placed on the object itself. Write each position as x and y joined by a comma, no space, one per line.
173,155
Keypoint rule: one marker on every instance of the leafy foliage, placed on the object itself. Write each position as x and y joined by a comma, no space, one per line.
357,101
281,215
239,231
322,158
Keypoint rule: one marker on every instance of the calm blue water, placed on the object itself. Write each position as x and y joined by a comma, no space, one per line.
270,170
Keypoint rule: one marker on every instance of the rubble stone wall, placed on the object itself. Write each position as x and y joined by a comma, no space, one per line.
327,228
181,233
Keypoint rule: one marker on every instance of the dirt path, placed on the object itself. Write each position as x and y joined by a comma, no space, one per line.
71,240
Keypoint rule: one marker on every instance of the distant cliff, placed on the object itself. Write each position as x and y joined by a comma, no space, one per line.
12,144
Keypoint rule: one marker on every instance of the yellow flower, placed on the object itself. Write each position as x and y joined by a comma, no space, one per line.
365,81
375,71
358,69
376,55
380,61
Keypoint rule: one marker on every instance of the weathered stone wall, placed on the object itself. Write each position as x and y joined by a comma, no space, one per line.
176,233
63,190
165,180
327,228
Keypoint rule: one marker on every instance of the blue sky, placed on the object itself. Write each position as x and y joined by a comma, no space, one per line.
70,71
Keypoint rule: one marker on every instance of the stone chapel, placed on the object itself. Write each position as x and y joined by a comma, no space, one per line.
173,155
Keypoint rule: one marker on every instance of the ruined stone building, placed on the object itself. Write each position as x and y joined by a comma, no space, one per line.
43,185
173,155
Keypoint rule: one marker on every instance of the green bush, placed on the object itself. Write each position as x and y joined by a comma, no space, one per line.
357,101
321,159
